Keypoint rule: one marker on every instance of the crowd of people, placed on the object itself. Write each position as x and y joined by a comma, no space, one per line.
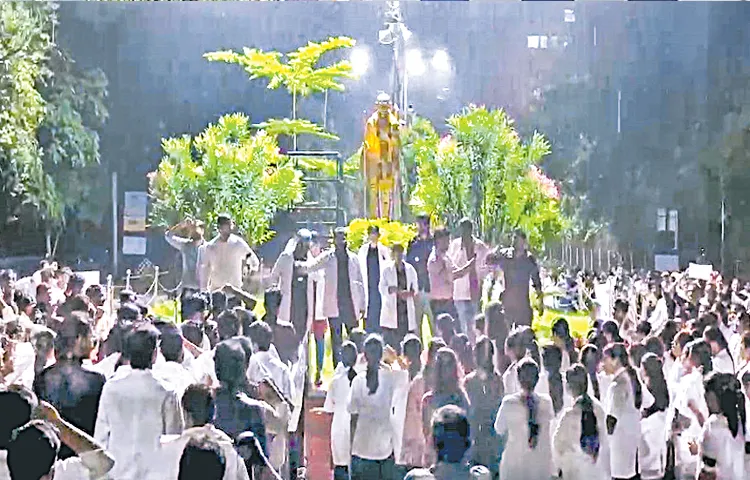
657,389
95,387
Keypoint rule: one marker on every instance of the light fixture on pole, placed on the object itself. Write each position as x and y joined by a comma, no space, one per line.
441,61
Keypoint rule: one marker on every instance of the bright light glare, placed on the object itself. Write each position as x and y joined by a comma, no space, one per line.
441,61
414,62
360,59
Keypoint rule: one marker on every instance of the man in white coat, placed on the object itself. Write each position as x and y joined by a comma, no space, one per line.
373,257
398,288
344,290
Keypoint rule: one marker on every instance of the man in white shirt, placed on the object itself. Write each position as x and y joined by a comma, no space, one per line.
199,407
172,369
224,257
262,366
136,409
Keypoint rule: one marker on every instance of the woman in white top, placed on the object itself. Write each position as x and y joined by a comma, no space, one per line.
520,344
580,441
722,443
623,407
652,454
336,404
370,405
722,361
525,418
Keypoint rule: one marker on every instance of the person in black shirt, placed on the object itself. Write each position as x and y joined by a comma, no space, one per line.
417,255
70,388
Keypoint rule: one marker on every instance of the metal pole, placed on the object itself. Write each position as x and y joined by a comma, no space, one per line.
115,225
609,260
325,110
723,223
600,259
578,262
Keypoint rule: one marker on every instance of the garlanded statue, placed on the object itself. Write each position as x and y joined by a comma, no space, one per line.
381,162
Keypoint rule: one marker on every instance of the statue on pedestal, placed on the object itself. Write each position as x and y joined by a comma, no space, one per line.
381,162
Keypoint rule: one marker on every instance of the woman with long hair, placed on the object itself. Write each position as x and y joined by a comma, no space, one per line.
370,406
413,443
336,404
564,341
580,440
484,386
525,419
552,358
461,345
721,446
653,452
516,350
691,411
722,359
623,404
591,360
611,332
429,367
447,390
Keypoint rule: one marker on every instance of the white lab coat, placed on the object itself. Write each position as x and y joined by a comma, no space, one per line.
652,455
135,410
166,463
625,440
388,311
571,459
520,462
690,389
176,375
283,275
384,257
718,443
336,404
722,362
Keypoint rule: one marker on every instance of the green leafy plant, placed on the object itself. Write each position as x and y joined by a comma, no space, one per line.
483,170
227,168
299,75
49,147
391,232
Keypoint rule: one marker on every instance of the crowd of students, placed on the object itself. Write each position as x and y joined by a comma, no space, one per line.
657,390
91,388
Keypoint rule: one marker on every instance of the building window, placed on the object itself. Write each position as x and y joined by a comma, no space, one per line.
537,41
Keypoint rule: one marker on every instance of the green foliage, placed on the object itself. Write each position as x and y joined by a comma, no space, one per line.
483,170
49,149
327,167
227,168
390,232
299,75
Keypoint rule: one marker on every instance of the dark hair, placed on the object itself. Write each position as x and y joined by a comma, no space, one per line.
171,344
193,332
202,459
699,352
446,326
668,332
621,305
451,433
610,327
373,229
37,440
357,336
480,323
654,345
412,348
262,335
198,401
447,375
76,325
528,377
429,368
713,334
228,325
484,355
577,378
515,346
497,326
728,391
219,302
636,352
644,328
441,232
552,359
17,406
246,318
561,329
655,382
231,364
373,355
140,346
223,219
193,304
461,345
682,338
618,351
349,359
128,312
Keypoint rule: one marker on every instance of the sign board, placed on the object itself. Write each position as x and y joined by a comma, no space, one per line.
134,224
133,245
700,272
666,263
136,205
